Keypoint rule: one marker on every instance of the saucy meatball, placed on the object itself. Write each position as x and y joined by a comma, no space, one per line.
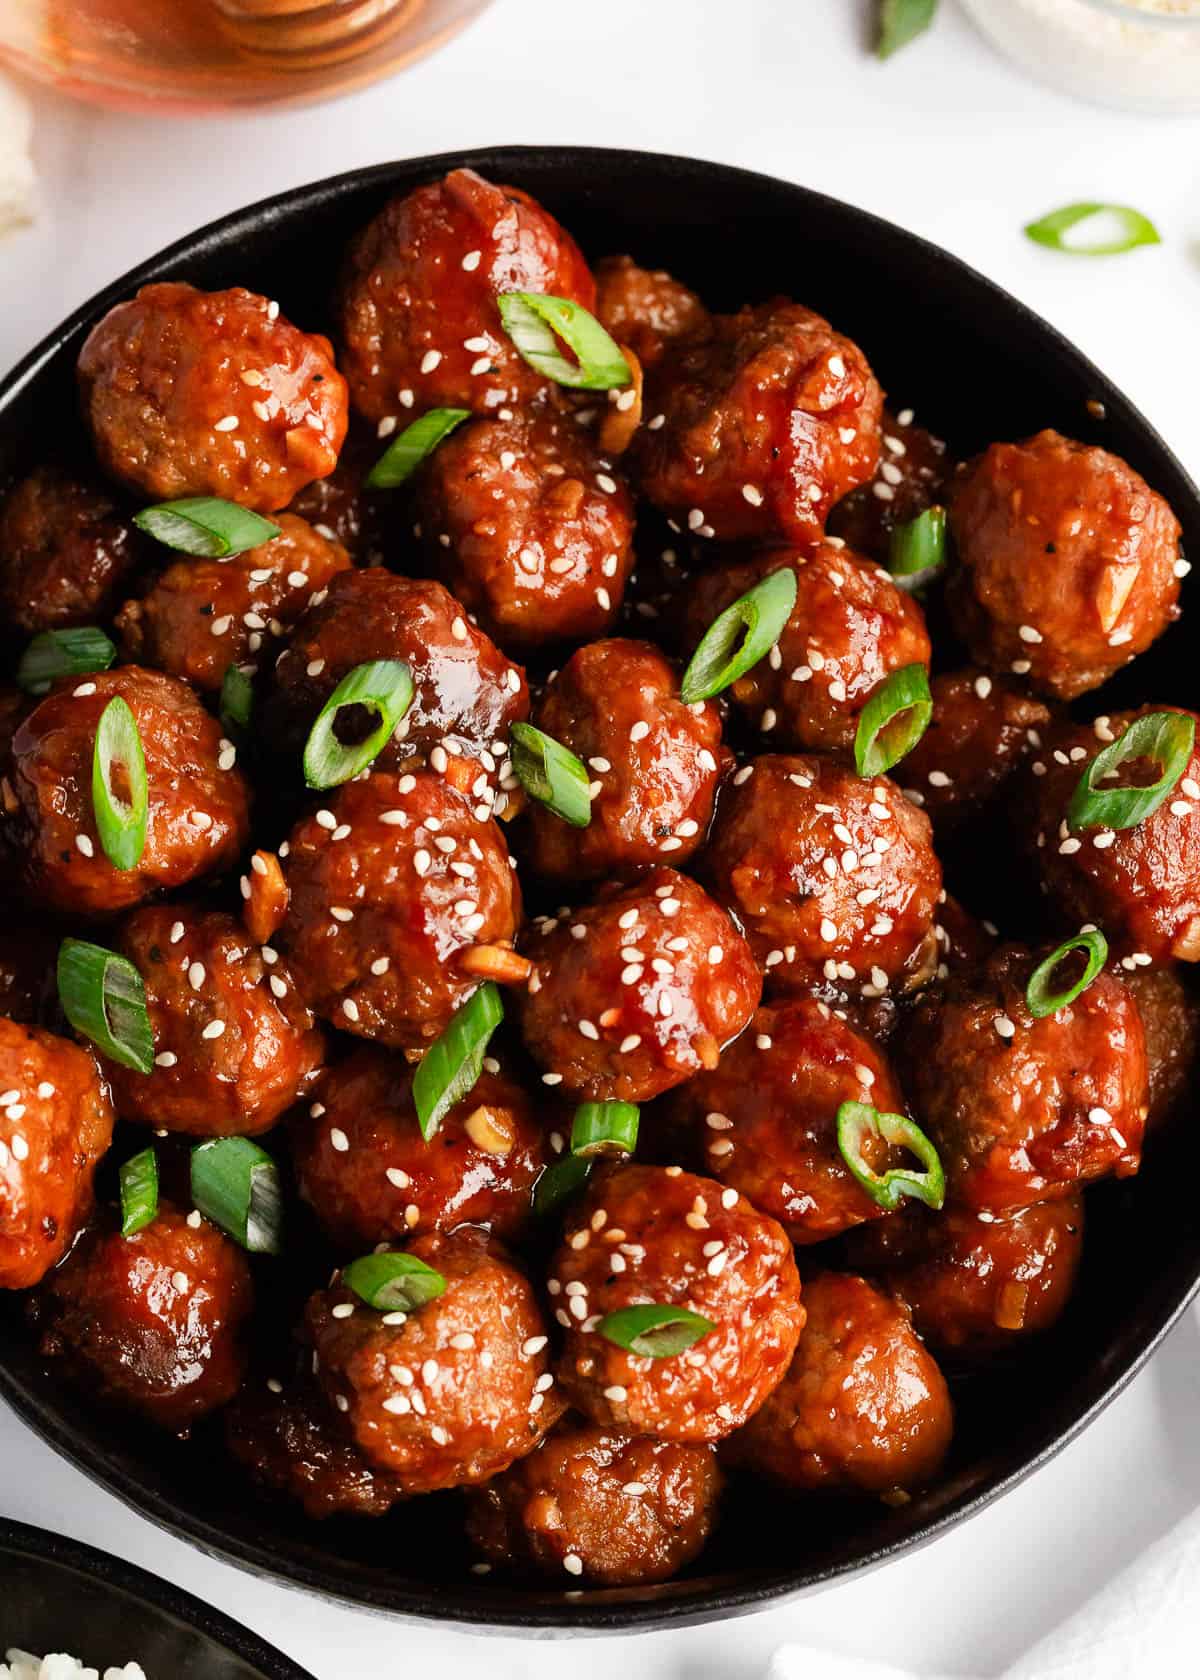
154,1322
1069,563
531,529
1171,1022
419,323
56,1121
832,875
760,427
654,762
646,309
910,478
1021,1109
390,884
371,1177
848,631
198,815
610,1509
863,1408
65,552
190,393
982,729
451,1393
290,1440
635,992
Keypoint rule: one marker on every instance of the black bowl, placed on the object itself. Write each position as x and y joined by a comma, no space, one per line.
59,1595
977,366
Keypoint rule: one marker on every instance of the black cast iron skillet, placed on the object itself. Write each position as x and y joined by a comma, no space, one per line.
977,366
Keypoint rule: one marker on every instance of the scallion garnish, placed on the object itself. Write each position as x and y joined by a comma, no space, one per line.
1039,999
237,698
1121,228
383,687
120,791
901,21
856,1122
103,998
63,653
532,319
652,1331
893,720
762,612
139,1191
205,526
552,774
605,1128
405,453
236,1185
1164,738
393,1282
558,1182
450,1068
917,549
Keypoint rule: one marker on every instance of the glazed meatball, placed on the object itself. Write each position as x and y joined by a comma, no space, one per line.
611,1509
390,884
1024,1110
56,1122
657,1234
765,423
1069,563
202,616
911,477
654,763
863,1408
291,1442
419,322
234,1043
632,994
452,1393
646,309
65,552
982,729
832,875
765,1119
371,1177
1171,1022
155,1322
190,393
848,631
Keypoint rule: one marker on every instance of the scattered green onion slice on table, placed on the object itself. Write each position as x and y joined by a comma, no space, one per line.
205,526
558,1182
893,720
450,1068
718,661
120,791
652,1331
237,698
1132,229
63,653
405,453
1039,999
384,687
856,1122
1164,738
535,321
103,998
917,549
236,1185
605,1128
901,21
139,1191
393,1282
551,774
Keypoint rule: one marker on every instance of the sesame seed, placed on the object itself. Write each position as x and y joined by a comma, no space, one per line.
640,730
1004,1026
430,360
552,1079
214,1029
350,1009
228,424
573,1564
84,845
166,1059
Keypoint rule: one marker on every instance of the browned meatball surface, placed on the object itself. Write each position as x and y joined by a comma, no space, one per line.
760,427
190,393
983,728
910,478
607,1508
646,309
637,990
65,552
863,1408
1067,562
291,1442
657,1234
1170,1015
451,1393
419,324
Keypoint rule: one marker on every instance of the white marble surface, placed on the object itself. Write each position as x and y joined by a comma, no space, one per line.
949,141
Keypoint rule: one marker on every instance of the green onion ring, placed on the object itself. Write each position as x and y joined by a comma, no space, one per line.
384,686
63,653
236,1185
393,1282
917,550
901,21
893,720
762,611
1039,1000
449,1070
856,1122
103,998
652,1331
406,451
604,1128
120,823
532,319
1135,230
558,1182
205,526
1166,738
551,774
237,698
139,1192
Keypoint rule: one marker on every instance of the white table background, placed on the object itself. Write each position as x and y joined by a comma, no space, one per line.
948,140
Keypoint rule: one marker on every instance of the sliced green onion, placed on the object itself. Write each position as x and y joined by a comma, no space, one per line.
762,611
103,998
449,1070
533,319
856,1122
120,821
893,720
237,698
901,21
918,549
652,1331
558,1182
206,526
405,453
605,1128
1131,230
139,1191
236,1185
385,687
1165,738
552,774
393,1282
63,653
1038,996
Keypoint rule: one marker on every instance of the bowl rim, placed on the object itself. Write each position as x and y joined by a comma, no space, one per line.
475,1608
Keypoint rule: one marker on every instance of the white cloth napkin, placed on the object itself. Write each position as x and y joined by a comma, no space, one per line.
16,165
